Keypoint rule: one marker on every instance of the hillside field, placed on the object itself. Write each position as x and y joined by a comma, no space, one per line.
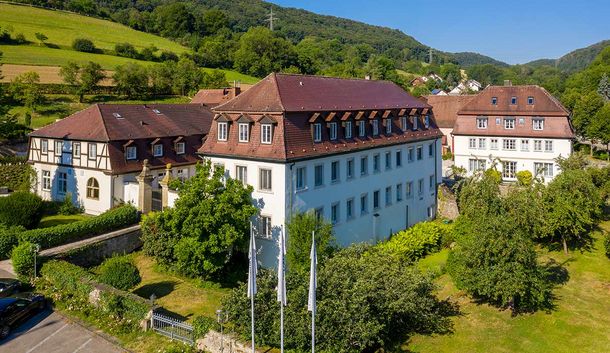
62,28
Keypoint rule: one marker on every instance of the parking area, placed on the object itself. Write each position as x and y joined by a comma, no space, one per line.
49,332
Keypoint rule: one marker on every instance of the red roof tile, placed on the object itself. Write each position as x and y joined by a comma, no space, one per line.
445,108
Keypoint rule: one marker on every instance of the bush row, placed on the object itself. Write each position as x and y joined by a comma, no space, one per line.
69,285
414,243
15,175
113,219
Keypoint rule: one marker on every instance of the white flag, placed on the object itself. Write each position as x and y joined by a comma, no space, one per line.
281,269
252,268
313,279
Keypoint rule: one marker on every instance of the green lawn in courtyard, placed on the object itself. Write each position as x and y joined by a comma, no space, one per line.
55,220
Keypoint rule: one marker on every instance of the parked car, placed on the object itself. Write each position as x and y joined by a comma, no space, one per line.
8,286
17,309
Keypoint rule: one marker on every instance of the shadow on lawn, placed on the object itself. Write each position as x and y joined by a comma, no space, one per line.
159,289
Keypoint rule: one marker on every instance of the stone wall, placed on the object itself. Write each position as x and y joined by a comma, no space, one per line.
214,342
447,204
92,251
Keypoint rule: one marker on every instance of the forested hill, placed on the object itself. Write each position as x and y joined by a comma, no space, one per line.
293,24
575,60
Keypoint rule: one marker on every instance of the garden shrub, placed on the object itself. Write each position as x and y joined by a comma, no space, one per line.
21,208
525,178
67,207
126,308
16,175
607,244
126,50
8,240
84,45
110,220
413,243
202,325
22,257
495,175
119,272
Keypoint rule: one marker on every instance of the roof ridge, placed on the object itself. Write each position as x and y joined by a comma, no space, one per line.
279,92
331,77
101,116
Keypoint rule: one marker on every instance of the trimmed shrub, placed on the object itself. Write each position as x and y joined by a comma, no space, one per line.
495,175
119,272
22,257
84,45
113,219
21,209
607,244
8,240
413,243
202,325
525,178
126,50
67,207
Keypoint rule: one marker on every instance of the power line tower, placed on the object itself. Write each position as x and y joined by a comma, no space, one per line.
270,19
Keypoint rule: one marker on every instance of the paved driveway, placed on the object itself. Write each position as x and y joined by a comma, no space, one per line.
49,332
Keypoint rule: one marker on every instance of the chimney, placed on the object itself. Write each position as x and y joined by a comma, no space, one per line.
508,83
367,77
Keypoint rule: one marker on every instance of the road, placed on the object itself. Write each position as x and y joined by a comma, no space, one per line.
49,332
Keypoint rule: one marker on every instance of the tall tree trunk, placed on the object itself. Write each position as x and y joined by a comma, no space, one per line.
565,244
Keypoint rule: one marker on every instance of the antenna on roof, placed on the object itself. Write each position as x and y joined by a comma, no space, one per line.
117,115
270,19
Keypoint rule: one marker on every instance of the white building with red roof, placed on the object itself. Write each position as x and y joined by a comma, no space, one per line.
363,154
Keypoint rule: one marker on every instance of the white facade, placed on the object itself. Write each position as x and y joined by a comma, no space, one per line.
366,199
514,154
83,169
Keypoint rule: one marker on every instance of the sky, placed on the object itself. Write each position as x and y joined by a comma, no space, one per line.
515,31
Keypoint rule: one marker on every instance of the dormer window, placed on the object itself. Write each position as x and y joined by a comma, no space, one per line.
131,153
513,100
494,100
482,123
388,126
317,132
244,132
158,150
509,123
362,129
415,119
332,130
180,147
427,121
538,123
375,124
266,133
223,128
403,123
530,100
348,130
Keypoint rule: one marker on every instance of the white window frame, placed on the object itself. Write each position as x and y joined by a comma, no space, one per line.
375,124
376,163
525,145
131,153
58,147
318,182
158,150
223,130
244,132
388,196
332,131
376,199
92,151
349,169
410,155
538,145
335,174
399,192
348,130
427,121
547,171
494,100
46,180
530,100
409,189
472,143
317,132
548,145
364,204
403,123
241,174
388,126
335,213
482,143
180,147
509,123
265,227
364,161
349,208
475,165
493,143
420,153
62,183
538,124
509,144
482,123
266,134
265,185
44,146
388,160
509,169
362,129
415,119
301,178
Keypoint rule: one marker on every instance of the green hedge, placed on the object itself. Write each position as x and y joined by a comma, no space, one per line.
21,208
16,176
22,258
415,242
8,240
69,286
110,220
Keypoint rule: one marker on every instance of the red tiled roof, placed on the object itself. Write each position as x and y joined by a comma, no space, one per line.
100,122
215,96
445,108
556,121
544,103
305,93
295,101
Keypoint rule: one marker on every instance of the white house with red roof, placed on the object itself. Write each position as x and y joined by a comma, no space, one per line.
363,154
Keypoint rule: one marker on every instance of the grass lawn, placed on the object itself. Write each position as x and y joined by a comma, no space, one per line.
52,221
184,297
579,323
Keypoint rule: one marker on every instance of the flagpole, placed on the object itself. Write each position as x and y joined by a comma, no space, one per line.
313,311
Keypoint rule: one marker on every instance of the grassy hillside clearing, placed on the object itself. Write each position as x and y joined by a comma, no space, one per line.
579,323
63,27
